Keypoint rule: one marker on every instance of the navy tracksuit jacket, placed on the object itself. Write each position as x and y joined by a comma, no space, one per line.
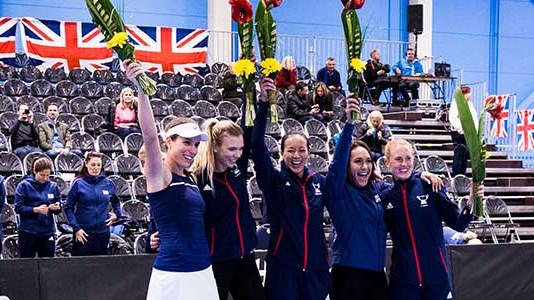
31,193
357,213
414,215
295,209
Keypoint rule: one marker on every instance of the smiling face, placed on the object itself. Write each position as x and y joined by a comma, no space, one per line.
361,166
400,159
295,153
182,151
94,166
228,152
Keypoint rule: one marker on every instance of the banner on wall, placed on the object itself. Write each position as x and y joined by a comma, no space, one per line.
71,45
525,129
499,126
171,49
8,33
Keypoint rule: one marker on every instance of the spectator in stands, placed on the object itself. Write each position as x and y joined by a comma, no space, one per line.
36,199
453,237
231,89
414,216
299,106
182,269
2,203
408,66
54,137
325,100
297,266
24,135
220,169
125,117
330,76
374,70
87,208
352,190
459,161
287,77
375,133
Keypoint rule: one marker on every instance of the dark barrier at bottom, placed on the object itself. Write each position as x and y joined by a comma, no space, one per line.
489,272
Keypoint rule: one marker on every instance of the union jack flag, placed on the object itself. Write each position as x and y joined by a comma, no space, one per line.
8,31
525,129
170,49
499,126
65,44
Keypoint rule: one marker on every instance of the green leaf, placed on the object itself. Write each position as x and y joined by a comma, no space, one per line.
105,17
245,32
353,33
266,31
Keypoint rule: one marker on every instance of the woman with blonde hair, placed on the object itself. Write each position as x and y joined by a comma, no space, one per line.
125,114
221,172
182,269
287,77
375,133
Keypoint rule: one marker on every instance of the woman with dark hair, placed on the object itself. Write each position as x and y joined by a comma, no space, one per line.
182,269
36,199
297,266
324,99
87,208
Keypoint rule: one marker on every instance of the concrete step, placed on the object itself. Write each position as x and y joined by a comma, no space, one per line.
521,209
515,181
402,130
506,171
447,155
403,116
431,138
425,123
509,189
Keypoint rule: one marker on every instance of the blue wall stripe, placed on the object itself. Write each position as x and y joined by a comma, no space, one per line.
493,68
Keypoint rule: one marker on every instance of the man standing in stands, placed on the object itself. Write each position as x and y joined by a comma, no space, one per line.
408,66
330,76
54,137
373,70
24,135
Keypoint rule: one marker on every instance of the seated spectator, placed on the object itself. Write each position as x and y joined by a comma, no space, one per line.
461,153
373,70
375,133
24,135
54,137
330,76
409,66
231,89
325,99
287,77
125,117
299,106
36,200
453,237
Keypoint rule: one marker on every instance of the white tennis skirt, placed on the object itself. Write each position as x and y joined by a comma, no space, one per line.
166,285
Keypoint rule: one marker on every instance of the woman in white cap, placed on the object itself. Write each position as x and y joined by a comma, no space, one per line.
182,269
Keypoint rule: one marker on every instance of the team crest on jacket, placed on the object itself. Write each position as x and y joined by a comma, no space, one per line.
377,198
423,199
236,172
317,187
390,206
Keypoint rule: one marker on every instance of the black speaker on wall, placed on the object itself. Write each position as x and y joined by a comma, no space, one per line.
415,18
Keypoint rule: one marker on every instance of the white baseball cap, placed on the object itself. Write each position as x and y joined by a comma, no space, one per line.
187,130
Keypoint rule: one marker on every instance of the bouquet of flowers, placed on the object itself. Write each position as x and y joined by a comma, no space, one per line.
475,144
245,68
266,30
354,43
106,18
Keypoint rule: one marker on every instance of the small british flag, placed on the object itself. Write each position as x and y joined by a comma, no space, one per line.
525,129
8,31
499,126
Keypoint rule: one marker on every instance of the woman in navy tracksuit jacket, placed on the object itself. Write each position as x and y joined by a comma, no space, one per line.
297,266
358,217
414,215
36,199
220,168
87,208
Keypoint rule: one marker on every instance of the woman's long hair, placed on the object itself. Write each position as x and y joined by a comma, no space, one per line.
88,155
121,99
204,163
326,92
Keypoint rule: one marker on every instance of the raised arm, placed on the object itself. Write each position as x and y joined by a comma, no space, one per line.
158,176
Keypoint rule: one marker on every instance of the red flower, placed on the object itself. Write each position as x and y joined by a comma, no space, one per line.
241,11
496,112
353,4
272,3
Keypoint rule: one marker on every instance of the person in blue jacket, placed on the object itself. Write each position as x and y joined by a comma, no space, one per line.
87,208
36,199
352,199
414,216
2,203
182,268
297,266
220,169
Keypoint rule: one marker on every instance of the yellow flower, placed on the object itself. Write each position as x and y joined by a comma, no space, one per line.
358,65
244,68
269,66
119,39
